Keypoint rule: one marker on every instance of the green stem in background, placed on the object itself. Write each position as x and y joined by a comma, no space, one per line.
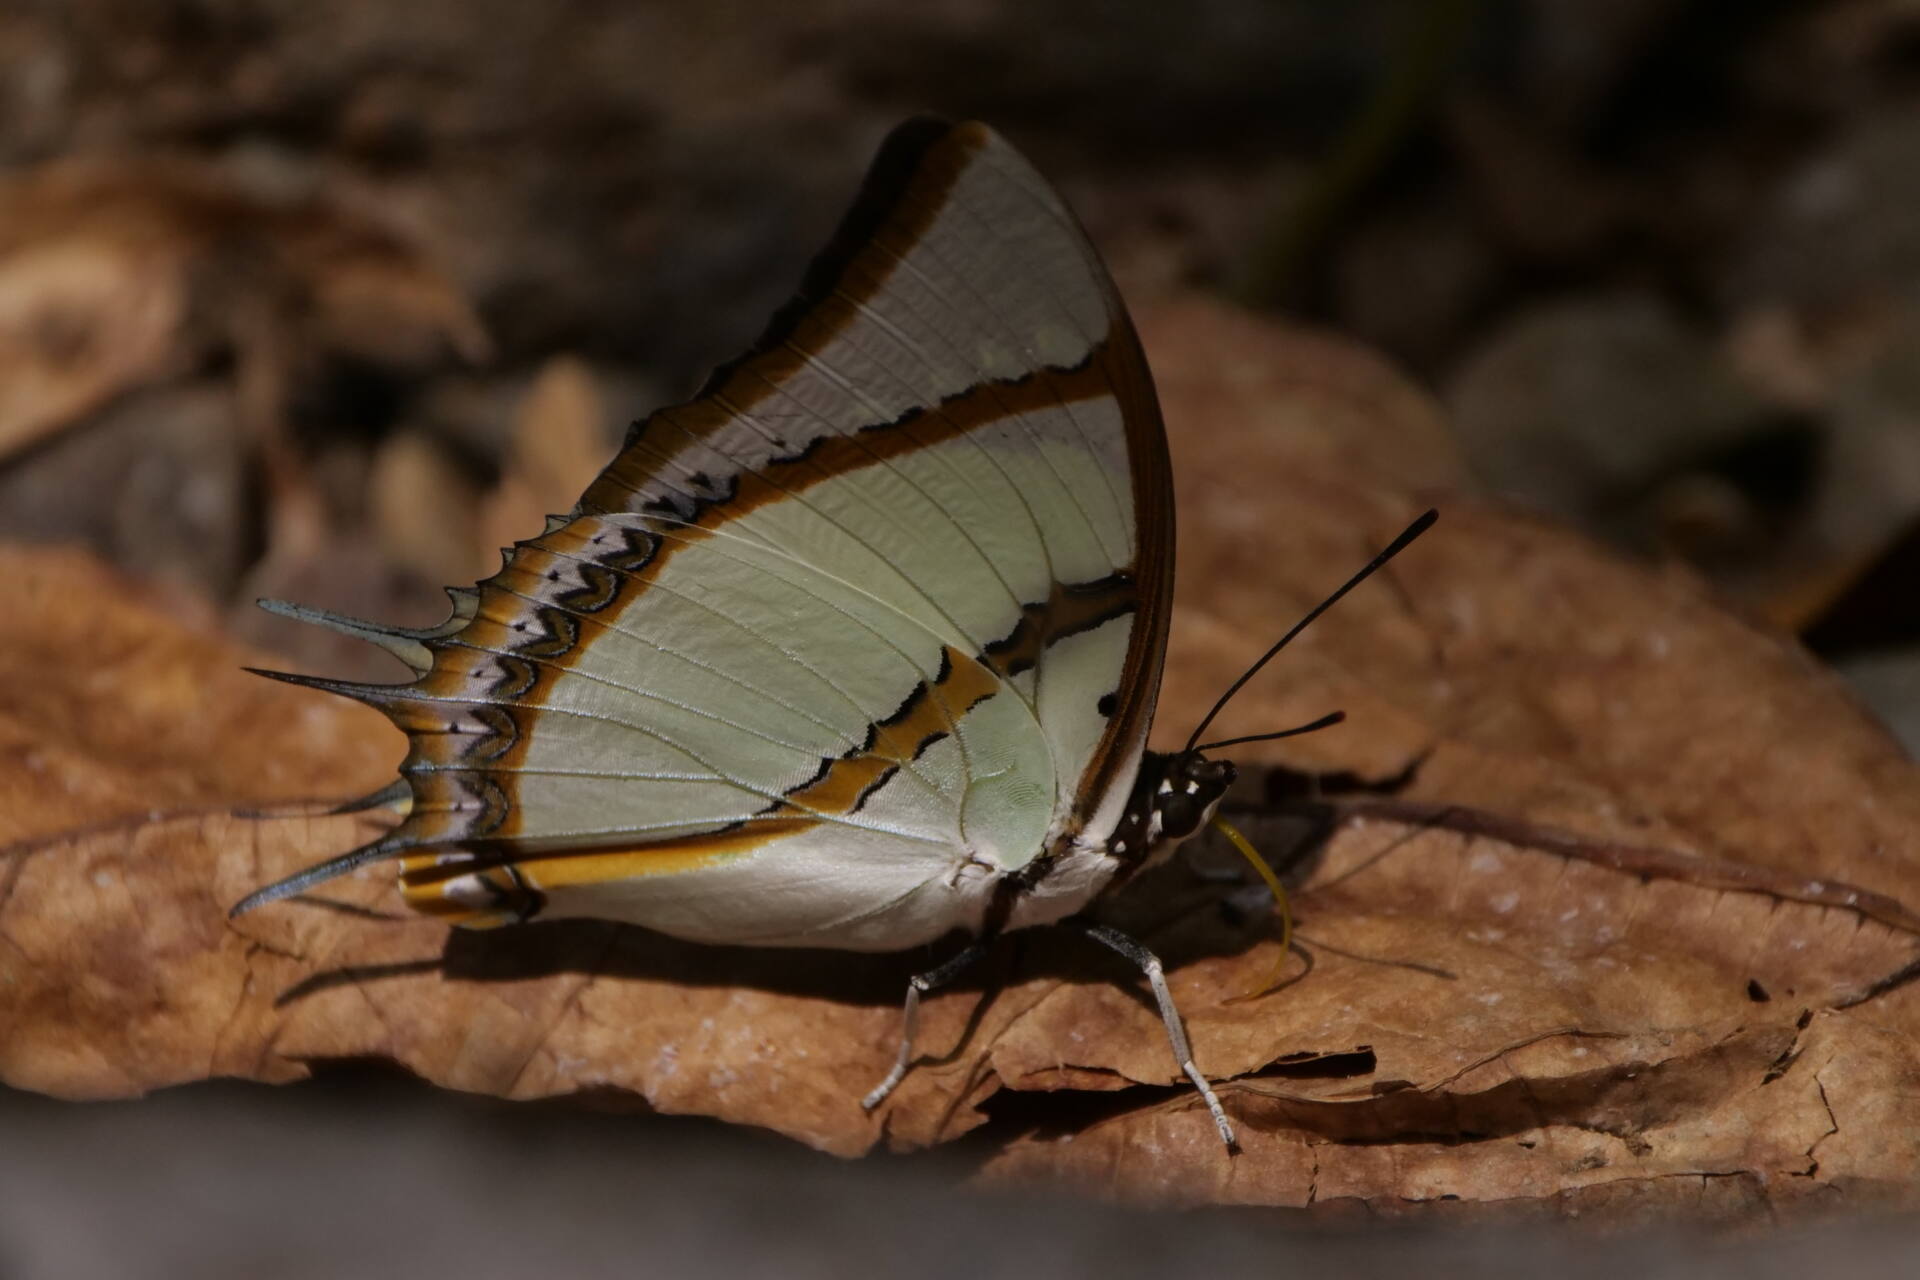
1364,148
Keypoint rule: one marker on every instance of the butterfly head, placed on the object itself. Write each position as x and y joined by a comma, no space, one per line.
1174,797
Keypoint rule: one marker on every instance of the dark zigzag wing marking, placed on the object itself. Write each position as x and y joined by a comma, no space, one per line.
598,589
501,734
517,678
557,635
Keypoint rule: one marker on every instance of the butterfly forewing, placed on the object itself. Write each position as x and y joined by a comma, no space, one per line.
874,620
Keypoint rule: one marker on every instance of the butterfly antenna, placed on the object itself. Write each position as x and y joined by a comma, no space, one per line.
1326,721
1393,549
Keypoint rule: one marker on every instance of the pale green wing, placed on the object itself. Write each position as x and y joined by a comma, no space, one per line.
827,651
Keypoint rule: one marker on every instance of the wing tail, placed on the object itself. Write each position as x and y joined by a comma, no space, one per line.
405,643
299,882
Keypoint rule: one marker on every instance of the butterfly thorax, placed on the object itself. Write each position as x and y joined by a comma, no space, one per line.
1173,796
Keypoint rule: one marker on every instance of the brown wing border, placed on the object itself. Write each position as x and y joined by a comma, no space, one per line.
1151,466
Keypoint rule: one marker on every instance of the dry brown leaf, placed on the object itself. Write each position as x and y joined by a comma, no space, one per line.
110,711
1598,932
82,316
117,271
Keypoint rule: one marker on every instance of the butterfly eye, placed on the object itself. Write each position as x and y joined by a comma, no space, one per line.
1179,815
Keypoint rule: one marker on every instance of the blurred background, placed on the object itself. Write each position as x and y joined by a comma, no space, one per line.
328,300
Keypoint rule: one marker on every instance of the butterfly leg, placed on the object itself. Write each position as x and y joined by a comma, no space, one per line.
919,985
1176,1031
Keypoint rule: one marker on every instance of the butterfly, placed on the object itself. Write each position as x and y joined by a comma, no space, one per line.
858,648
